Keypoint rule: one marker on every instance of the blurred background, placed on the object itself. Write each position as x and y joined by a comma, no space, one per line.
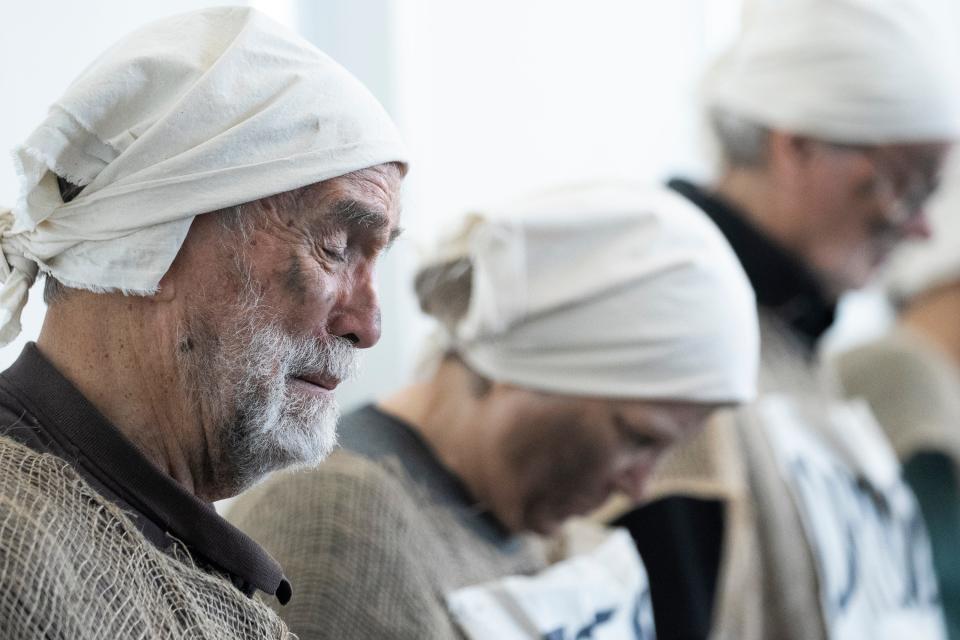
494,99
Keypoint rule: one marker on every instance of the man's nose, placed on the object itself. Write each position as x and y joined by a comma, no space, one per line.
917,226
632,480
357,317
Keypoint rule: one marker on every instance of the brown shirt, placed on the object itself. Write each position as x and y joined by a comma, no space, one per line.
41,409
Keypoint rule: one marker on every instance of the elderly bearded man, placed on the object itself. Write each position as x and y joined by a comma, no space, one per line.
183,356
789,519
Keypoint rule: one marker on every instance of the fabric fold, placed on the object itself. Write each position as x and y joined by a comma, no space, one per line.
18,274
800,67
187,115
606,290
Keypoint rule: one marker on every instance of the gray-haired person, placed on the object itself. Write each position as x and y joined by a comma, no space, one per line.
788,519
207,201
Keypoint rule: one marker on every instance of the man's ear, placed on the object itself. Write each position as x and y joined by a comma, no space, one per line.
167,289
201,232
789,150
789,156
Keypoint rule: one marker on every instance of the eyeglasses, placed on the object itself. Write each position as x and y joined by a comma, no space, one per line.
903,188
907,195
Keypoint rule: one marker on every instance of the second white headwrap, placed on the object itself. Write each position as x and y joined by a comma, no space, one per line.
186,115
607,291
850,71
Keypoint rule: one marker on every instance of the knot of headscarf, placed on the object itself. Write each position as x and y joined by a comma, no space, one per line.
613,291
187,115
18,274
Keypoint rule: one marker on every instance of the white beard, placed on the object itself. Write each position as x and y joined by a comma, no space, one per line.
278,426
262,422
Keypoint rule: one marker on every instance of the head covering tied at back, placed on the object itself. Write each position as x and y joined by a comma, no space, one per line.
606,291
918,266
849,71
184,116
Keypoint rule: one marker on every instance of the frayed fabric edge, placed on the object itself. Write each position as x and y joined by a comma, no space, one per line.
93,288
60,122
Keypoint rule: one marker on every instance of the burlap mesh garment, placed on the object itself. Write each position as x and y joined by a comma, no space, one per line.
73,567
369,552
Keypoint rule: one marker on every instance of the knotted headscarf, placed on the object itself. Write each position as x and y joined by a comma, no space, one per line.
184,116
611,291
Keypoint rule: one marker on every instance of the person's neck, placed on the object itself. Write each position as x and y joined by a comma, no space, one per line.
933,315
751,193
445,414
122,359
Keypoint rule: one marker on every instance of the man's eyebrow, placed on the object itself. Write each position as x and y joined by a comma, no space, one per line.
636,432
359,216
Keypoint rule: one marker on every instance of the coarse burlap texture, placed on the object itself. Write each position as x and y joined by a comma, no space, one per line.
74,567
370,551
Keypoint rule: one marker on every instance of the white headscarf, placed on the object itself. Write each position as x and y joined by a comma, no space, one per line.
854,71
186,115
920,265
603,291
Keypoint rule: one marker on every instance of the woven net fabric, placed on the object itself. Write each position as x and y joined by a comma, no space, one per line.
73,567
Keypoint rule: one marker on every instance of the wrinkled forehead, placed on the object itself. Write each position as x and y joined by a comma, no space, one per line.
377,187
363,201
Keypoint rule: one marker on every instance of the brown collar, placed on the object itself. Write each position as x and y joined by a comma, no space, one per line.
161,508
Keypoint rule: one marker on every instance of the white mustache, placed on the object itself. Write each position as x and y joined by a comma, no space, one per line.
335,359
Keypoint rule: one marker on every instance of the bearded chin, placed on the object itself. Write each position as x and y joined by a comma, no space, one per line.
275,426
261,422
274,429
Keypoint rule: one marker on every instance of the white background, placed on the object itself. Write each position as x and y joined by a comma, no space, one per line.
494,98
